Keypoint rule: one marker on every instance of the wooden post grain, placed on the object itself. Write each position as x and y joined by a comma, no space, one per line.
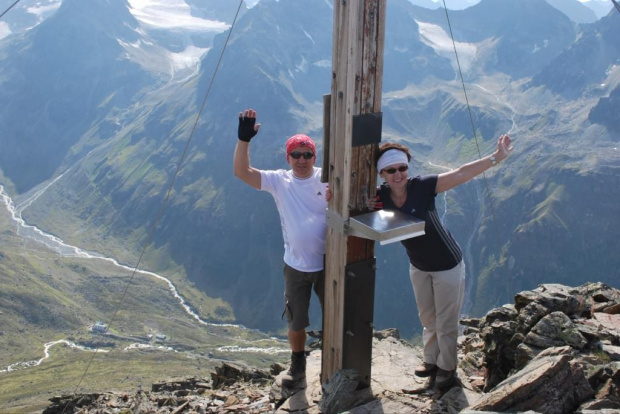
357,70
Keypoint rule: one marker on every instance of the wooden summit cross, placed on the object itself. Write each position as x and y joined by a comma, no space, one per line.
352,132
348,160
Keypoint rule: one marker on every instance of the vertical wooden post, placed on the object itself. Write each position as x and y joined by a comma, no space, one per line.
357,70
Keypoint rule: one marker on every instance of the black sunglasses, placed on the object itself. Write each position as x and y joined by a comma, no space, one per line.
401,169
298,155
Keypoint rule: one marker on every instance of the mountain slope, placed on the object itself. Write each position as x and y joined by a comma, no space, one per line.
526,34
586,63
58,85
606,113
226,236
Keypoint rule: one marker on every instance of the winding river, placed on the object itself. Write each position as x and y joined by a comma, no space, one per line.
32,233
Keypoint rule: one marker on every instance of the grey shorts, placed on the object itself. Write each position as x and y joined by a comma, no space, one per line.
297,291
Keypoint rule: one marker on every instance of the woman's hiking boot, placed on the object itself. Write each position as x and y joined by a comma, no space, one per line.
425,370
297,371
445,379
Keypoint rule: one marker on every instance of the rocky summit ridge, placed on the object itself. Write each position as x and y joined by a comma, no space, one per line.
555,350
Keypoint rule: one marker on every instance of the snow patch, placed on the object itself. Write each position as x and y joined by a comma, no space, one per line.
309,37
302,66
42,11
537,48
437,38
158,60
5,30
188,59
172,14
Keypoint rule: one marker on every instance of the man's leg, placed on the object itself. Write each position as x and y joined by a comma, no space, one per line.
297,371
297,340
319,289
318,280
298,289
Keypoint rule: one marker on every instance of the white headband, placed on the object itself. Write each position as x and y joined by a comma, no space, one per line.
391,157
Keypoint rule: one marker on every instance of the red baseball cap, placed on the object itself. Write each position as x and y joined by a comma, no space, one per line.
299,140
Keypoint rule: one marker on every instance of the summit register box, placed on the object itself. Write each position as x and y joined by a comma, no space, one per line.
385,226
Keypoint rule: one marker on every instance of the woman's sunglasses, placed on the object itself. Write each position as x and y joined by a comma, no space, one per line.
401,169
298,155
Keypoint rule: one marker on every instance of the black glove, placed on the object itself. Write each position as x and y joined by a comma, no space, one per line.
246,128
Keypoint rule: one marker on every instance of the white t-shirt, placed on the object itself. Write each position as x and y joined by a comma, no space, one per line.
303,209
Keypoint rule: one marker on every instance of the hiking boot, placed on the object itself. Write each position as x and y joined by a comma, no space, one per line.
425,370
444,379
297,372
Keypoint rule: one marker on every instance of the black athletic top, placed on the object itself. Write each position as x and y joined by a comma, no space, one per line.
436,250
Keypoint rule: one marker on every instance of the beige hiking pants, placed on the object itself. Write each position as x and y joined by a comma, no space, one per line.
439,296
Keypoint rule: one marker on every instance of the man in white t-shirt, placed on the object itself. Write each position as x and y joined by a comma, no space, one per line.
301,199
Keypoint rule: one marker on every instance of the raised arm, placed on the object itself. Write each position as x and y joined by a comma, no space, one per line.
464,173
241,160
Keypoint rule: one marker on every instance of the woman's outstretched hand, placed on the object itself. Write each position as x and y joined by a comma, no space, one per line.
504,147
